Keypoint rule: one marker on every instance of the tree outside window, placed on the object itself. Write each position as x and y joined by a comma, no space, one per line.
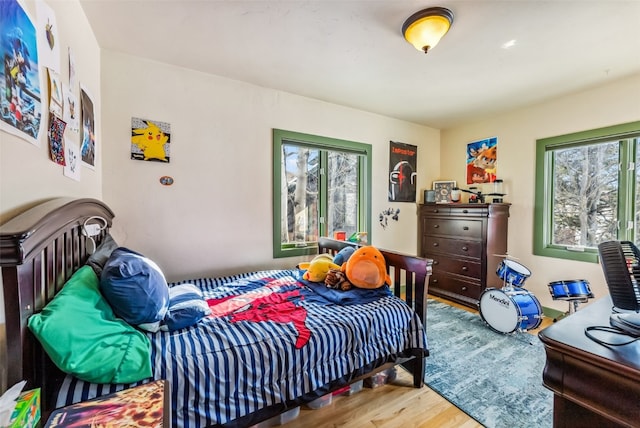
321,185
586,191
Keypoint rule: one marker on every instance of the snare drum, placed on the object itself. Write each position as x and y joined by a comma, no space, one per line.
510,311
570,289
512,273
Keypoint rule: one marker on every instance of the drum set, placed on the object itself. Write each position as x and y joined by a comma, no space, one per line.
575,291
512,308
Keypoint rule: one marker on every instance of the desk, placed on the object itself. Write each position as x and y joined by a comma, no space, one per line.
593,385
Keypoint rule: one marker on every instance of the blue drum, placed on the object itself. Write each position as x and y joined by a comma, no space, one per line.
572,289
510,311
512,273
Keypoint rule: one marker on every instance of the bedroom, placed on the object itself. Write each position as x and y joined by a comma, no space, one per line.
230,122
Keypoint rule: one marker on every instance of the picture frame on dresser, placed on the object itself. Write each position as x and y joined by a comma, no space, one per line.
443,191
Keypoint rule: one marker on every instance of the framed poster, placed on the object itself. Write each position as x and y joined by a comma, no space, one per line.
482,159
402,172
443,191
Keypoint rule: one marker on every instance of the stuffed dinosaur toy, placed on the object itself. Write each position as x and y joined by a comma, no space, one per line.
366,268
318,268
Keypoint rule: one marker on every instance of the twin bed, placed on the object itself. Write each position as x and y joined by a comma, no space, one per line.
278,342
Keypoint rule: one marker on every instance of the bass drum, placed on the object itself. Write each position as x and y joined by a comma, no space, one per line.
510,311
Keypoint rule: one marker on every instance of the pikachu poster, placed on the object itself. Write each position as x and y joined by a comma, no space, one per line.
150,140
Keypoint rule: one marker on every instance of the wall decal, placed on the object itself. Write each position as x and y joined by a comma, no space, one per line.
384,216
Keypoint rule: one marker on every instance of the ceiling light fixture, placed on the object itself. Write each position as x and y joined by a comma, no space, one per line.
424,29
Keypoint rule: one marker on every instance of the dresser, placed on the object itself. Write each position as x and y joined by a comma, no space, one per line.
466,243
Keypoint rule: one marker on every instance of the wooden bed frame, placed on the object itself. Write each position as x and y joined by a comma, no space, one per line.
41,248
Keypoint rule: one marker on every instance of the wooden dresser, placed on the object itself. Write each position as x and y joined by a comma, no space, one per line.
465,242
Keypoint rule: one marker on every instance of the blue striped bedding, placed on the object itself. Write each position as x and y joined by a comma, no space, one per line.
272,342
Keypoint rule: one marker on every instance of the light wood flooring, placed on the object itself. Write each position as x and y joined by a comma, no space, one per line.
397,404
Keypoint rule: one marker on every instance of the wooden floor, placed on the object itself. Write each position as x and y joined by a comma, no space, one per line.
397,404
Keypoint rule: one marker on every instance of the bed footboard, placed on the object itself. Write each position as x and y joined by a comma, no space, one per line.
410,282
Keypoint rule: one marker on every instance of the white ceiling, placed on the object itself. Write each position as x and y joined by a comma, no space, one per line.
352,52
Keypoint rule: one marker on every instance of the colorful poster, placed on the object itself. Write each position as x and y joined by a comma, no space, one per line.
56,139
20,79
150,140
482,161
88,136
402,172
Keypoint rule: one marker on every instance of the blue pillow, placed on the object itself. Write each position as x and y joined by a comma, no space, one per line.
136,289
186,307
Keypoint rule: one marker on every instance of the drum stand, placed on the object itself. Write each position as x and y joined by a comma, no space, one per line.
574,303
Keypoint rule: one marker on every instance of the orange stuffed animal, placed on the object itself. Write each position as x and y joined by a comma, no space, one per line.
366,268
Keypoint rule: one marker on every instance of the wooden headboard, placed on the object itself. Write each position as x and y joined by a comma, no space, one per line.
39,251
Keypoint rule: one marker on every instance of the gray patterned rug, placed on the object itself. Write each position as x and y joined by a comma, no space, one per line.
494,378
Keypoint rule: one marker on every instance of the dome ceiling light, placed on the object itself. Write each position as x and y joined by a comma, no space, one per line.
424,29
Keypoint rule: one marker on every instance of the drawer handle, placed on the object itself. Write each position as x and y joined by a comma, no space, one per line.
464,288
435,281
436,211
435,262
465,228
464,268
435,226
465,211
435,244
465,248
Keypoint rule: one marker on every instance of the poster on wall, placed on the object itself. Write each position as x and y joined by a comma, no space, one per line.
150,140
402,172
87,136
482,161
48,46
72,166
20,77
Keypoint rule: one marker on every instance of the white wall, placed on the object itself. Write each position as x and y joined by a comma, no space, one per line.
517,132
217,216
27,176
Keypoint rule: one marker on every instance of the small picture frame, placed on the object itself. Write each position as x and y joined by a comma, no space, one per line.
443,191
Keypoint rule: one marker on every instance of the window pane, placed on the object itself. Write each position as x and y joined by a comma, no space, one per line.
342,193
300,168
585,196
637,198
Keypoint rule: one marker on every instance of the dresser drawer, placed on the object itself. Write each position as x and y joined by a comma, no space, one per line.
462,228
462,267
455,247
445,284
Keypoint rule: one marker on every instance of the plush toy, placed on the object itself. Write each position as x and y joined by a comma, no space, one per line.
337,279
343,255
318,268
366,268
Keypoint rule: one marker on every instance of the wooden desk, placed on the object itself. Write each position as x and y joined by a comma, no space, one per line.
593,385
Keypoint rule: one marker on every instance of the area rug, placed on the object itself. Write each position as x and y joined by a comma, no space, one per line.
494,378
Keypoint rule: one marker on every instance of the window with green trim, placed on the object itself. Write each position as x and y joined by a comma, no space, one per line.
587,186
320,186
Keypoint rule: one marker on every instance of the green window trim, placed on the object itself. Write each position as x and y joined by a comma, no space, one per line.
543,187
281,137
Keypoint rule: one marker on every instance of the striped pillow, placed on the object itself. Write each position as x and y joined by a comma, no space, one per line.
186,307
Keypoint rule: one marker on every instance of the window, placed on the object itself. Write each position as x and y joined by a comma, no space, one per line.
587,191
320,186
